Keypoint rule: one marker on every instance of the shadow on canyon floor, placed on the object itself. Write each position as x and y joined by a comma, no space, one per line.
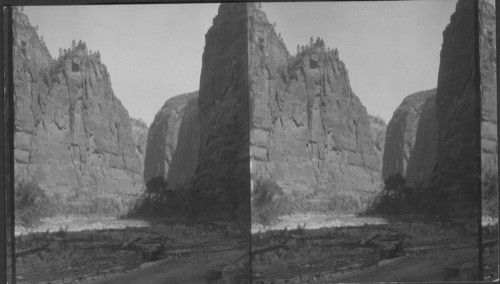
166,251
181,251
401,250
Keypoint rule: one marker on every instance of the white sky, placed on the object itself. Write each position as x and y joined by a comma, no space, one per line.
153,52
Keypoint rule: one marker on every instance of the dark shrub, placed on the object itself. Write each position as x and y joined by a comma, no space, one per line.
157,200
156,186
398,198
104,206
217,198
31,204
395,198
268,202
340,203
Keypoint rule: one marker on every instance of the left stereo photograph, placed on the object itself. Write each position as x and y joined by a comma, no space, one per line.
131,144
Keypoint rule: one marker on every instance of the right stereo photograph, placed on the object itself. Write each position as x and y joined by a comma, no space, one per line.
373,141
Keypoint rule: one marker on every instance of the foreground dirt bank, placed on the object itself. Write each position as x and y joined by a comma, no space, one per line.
397,251
178,252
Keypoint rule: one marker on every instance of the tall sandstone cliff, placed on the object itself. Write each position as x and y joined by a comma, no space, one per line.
163,136
185,157
308,129
403,131
488,67
221,183
454,178
70,129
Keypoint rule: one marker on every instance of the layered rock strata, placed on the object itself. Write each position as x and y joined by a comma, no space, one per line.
71,131
309,131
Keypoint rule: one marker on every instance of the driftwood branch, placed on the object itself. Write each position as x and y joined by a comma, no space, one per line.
490,243
266,249
180,251
32,250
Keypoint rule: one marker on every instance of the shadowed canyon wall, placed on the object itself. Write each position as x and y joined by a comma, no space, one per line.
378,130
220,185
423,156
185,157
163,135
432,139
403,131
454,178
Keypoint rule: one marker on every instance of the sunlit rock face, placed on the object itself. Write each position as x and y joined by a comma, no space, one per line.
71,131
163,134
404,130
309,132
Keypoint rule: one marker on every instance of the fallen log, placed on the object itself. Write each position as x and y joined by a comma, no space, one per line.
98,246
371,237
129,242
32,250
141,241
179,251
266,249
385,236
226,249
150,240
490,243
419,249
